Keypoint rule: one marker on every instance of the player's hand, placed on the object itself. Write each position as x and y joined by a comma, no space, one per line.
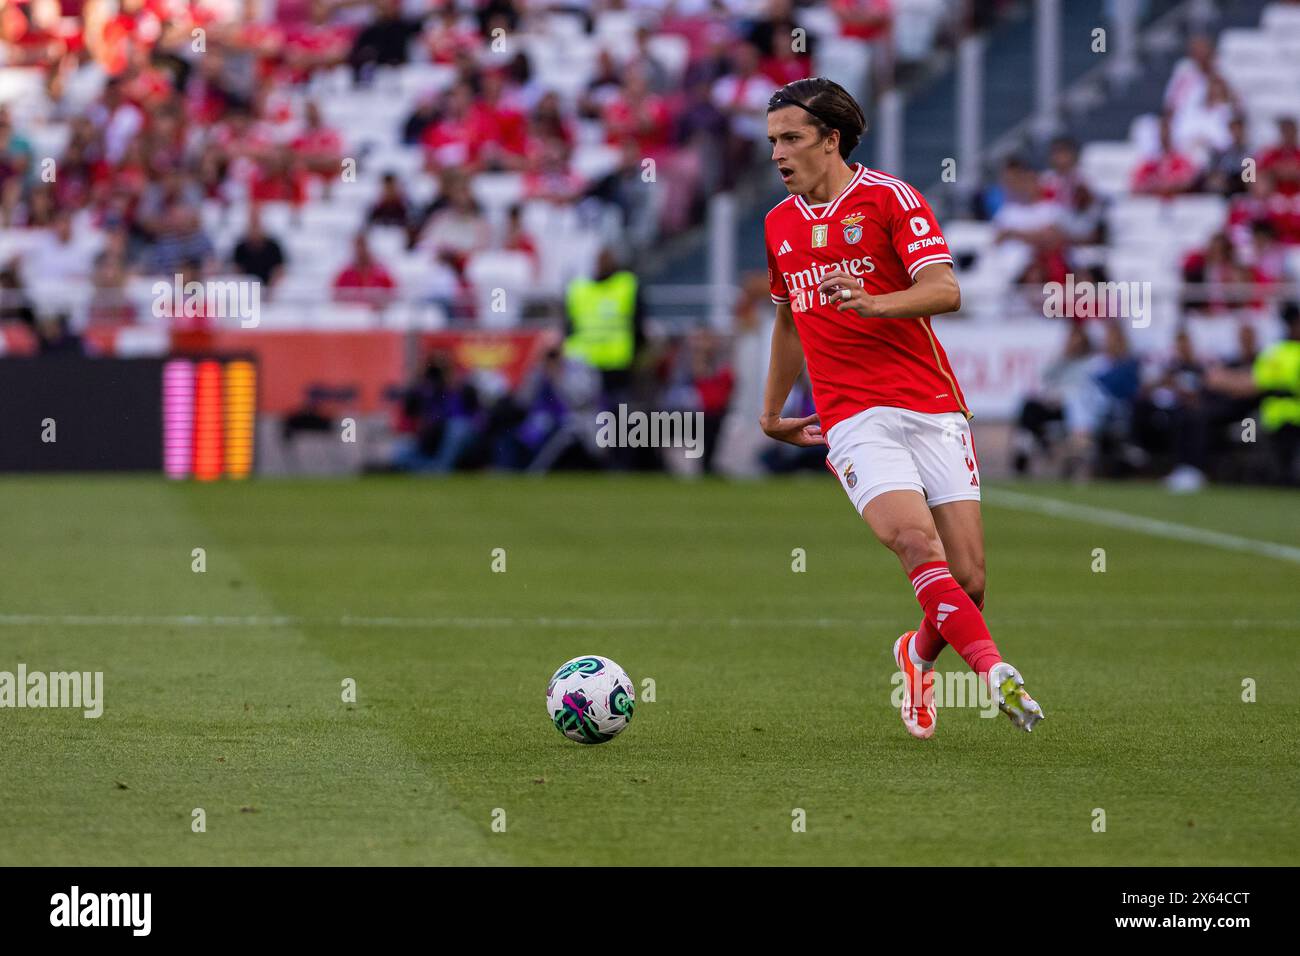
843,289
803,432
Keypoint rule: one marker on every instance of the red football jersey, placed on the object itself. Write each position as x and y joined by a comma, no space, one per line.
882,231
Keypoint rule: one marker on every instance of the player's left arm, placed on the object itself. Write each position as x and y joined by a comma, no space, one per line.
918,242
935,290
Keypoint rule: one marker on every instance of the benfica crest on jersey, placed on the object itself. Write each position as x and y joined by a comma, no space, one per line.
852,229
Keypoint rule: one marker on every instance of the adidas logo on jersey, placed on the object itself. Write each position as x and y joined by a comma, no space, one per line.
785,247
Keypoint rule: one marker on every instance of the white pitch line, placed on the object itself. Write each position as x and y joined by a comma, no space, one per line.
1056,508
469,623
420,623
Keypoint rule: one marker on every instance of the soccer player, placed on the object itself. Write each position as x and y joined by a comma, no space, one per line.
856,265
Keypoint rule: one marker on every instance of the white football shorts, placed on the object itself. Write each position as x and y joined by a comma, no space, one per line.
891,449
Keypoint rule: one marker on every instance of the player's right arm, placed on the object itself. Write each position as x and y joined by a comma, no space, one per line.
783,368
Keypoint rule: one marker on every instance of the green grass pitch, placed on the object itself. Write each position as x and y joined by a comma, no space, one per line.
223,689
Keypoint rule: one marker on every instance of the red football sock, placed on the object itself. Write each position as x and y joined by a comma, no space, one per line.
928,643
949,609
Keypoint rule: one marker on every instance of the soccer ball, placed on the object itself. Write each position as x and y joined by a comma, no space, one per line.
590,699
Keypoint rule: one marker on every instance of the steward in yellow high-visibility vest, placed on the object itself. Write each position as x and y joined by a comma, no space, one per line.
603,316
1276,376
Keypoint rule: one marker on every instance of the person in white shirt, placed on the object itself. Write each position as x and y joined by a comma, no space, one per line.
58,266
1201,127
743,94
1191,75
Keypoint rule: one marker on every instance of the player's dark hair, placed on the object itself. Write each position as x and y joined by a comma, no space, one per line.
830,106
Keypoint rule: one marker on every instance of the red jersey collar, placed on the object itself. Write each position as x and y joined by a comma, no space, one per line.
824,210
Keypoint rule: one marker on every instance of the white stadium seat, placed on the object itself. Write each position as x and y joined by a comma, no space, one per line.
1197,217
420,80
594,162
614,25
1141,215
1255,46
332,219
1108,167
968,237
277,217
1282,18
672,51
496,272
410,271
341,316
497,192
844,60
387,243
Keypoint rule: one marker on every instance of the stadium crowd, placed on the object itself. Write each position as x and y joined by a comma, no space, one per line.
150,115
1198,146
156,112
1103,409
149,138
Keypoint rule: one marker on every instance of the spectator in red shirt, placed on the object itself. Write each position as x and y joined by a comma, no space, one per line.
313,46
782,64
1226,283
1282,161
32,43
713,380
207,96
364,281
450,139
637,114
863,19
280,179
241,141
548,122
549,176
1267,256
133,172
144,84
1169,172
263,39
1265,203
318,147
446,36
500,132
